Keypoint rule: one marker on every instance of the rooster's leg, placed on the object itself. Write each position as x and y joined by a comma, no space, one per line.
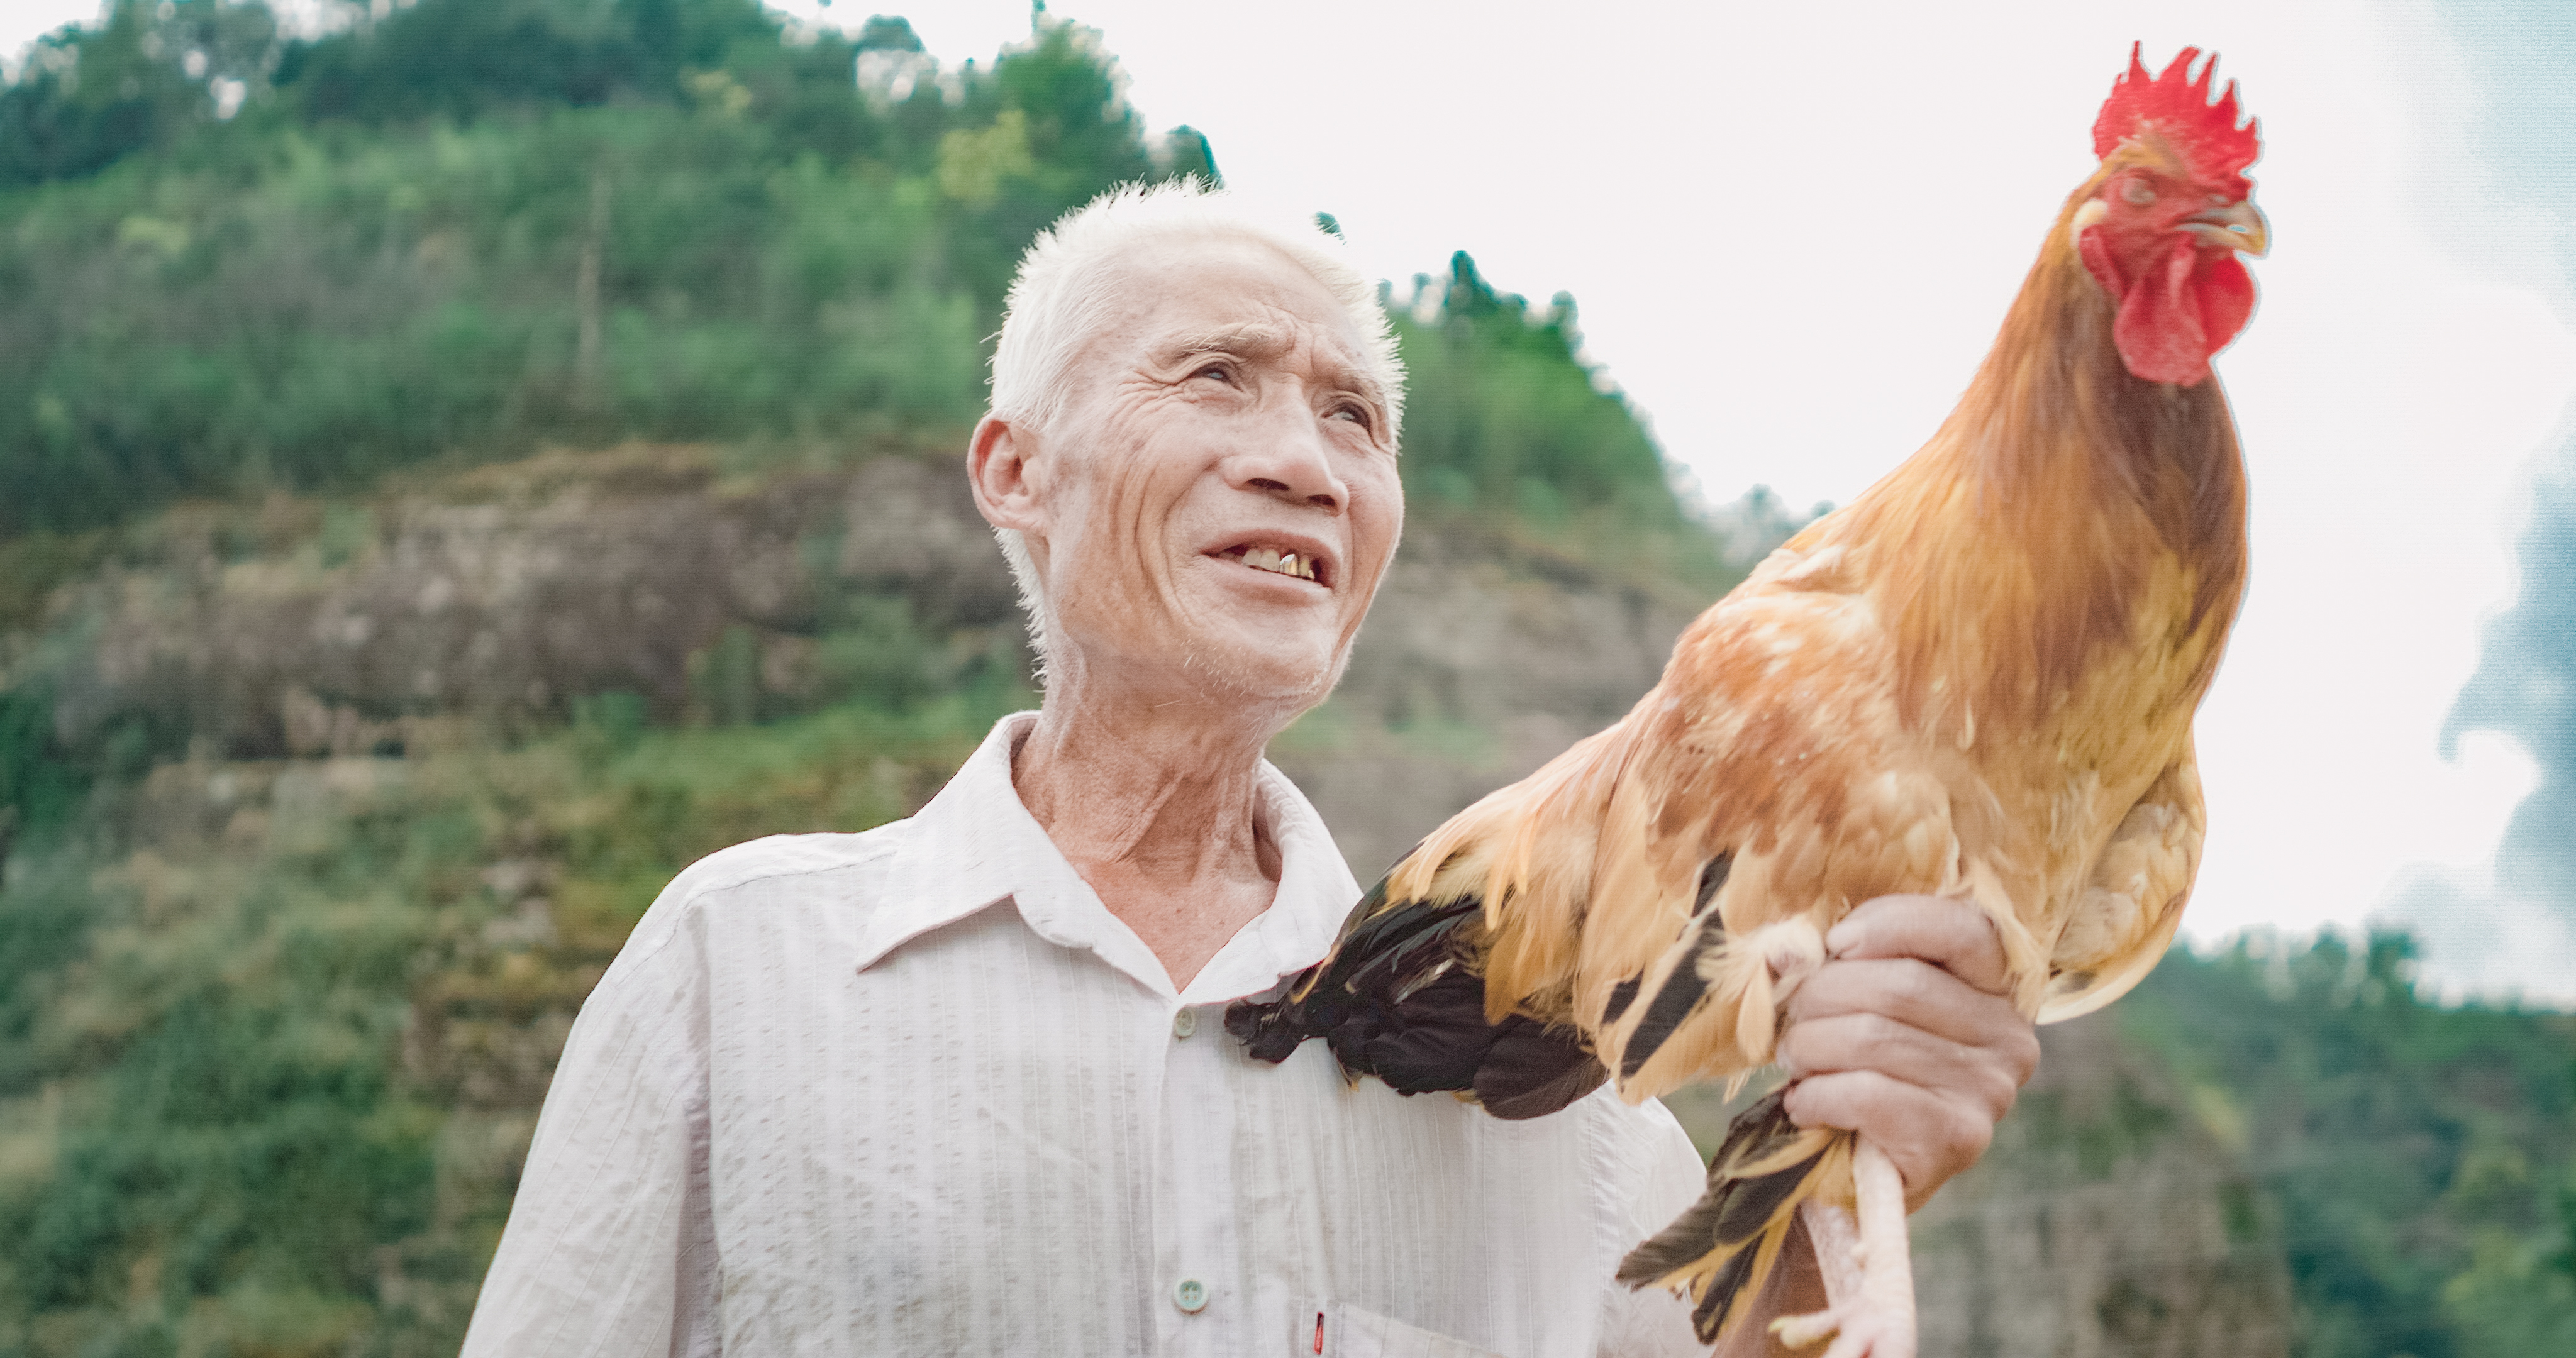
1867,1265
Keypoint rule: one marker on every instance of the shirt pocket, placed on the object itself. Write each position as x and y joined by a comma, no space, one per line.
1335,1329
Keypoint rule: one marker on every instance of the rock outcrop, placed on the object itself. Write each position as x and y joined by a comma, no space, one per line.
503,594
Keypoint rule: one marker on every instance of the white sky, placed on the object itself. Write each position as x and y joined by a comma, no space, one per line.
1792,231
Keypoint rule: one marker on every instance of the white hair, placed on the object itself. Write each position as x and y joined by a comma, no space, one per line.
1065,286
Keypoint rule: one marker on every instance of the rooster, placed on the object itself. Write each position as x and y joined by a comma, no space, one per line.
1977,681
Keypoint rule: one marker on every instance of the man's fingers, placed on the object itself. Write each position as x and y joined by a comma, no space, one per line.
1952,935
1916,994
1849,1042
1906,1036
1928,1137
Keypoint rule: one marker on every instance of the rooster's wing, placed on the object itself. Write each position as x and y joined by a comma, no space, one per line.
2133,901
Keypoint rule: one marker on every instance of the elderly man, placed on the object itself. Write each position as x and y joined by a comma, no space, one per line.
958,1085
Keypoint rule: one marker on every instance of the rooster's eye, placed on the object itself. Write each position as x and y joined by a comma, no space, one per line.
2138,192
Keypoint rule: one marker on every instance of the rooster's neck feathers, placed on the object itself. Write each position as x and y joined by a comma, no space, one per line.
2024,539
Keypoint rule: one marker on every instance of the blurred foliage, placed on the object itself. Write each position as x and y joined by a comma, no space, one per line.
151,73
2423,1156
477,224
1506,422
1497,415
466,59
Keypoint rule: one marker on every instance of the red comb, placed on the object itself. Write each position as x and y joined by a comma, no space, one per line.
2178,107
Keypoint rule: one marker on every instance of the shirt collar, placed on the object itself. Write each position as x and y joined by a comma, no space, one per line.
975,846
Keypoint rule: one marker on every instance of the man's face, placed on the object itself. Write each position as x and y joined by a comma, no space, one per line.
1219,495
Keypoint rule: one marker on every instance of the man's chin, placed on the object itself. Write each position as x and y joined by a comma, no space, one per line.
1269,674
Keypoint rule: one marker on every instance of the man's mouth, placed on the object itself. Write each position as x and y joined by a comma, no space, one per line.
1261,557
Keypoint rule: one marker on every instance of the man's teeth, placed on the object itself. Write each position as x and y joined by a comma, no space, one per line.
1284,563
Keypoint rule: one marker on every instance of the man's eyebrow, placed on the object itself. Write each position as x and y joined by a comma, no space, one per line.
1249,340
1253,340
1358,381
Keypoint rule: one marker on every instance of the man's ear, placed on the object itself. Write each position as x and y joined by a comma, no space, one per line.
1001,465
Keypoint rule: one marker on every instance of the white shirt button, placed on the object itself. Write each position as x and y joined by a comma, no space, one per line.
1185,1023
1190,1294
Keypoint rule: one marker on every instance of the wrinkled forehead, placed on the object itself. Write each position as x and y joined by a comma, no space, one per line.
1162,300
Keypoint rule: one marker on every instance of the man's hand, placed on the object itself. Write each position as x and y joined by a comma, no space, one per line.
1905,1036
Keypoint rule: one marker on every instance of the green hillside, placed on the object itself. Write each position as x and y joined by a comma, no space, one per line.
2421,1157
455,472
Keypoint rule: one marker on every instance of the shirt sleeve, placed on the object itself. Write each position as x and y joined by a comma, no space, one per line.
1662,1177
610,1247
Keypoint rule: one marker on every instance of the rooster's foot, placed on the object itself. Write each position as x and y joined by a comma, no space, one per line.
1857,1332
1867,1267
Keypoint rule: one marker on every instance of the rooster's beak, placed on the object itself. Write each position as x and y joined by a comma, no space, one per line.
2237,226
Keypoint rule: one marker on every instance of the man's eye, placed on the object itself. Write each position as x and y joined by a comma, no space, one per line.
1218,371
1354,414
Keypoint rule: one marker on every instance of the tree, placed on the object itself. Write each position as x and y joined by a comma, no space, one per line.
461,59
146,77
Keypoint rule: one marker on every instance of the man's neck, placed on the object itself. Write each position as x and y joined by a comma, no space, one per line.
1156,804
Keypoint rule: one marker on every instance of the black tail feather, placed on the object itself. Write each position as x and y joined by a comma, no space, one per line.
1724,1247
1725,1289
1674,1001
1429,1040
1684,987
1759,1127
1397,999
1534,1069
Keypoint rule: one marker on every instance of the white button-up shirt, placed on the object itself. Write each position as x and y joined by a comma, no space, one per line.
917,1091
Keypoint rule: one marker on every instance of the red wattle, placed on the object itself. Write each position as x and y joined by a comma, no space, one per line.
2159,330
2226,299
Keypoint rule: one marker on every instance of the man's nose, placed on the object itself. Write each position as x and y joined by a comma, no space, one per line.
1286,456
